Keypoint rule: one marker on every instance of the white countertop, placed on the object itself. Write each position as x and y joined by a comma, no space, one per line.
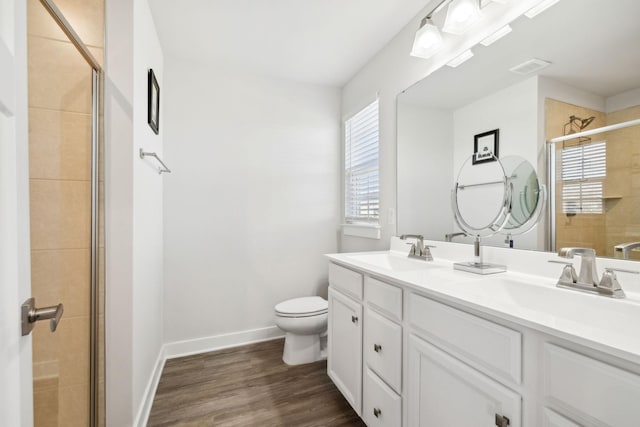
602,323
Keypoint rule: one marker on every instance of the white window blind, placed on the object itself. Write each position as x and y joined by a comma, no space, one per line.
584,168
362,202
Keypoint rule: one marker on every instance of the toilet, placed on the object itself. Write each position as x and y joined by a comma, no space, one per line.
304,320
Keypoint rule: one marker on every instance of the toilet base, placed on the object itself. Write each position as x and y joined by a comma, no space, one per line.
301,349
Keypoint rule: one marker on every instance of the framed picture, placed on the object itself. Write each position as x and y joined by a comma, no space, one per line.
485,146
153,102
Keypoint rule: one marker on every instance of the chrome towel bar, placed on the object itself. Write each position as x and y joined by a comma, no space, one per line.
164,167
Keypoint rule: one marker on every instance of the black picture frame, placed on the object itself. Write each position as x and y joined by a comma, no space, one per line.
153,102
485,147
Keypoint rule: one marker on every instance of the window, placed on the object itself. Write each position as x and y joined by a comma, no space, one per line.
362,202
584,168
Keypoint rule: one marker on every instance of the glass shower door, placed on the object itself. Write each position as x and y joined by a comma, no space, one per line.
63,185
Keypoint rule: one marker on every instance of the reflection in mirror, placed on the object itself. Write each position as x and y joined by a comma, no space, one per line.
587,79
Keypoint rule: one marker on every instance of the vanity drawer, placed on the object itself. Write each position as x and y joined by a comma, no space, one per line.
383,348
382,407
586,389
491,348
385,297
345,280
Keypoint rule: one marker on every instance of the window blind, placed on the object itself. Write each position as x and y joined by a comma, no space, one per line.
584,168
362,185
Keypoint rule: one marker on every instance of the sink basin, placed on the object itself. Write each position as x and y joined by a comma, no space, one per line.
391,262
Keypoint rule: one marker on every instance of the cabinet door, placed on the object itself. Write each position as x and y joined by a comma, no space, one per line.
443,391
344,364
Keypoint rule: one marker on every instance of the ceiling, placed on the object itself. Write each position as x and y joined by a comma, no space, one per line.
592,45
313,41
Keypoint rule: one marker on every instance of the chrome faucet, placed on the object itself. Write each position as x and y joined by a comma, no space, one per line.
587,280
624,249
588,274
418,249
449,237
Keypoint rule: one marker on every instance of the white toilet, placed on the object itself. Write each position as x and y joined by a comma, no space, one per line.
305,322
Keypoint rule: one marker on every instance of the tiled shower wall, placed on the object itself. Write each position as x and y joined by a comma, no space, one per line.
620,222
59,171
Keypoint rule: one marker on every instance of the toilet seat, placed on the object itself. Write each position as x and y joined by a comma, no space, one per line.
302,307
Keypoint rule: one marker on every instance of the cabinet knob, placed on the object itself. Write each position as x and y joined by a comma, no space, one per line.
377,412
354,319
377,348
502,421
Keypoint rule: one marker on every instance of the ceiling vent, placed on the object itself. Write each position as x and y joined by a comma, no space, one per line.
530,66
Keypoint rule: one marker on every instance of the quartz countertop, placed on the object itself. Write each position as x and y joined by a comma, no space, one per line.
533,301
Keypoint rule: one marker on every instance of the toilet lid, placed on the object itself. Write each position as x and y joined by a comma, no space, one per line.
306,305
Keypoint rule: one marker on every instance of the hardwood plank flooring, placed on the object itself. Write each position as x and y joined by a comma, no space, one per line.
248,386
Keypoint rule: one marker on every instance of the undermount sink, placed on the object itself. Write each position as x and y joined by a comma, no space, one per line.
392,262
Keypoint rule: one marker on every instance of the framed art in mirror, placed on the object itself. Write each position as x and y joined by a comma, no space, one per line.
485,146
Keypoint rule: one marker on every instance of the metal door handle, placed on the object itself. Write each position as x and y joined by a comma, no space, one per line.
354,319
31,314
377,348
377,412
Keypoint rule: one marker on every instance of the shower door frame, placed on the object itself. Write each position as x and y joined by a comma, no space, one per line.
96,85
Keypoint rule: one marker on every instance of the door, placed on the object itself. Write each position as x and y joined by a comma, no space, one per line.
63,187
443,391
344,364
15,351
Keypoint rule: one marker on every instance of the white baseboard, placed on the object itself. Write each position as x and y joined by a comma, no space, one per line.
219,342
142,416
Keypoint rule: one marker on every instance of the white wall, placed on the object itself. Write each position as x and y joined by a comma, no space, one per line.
133,212
253,202
425,151
148,304
393,70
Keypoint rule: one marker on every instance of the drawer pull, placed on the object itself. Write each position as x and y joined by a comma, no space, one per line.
502,421
377,412
377,348
354,319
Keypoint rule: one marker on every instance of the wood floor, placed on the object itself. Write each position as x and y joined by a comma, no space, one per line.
248,386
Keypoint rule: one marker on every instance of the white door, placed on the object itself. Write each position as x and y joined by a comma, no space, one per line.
443,391
16,398
344,364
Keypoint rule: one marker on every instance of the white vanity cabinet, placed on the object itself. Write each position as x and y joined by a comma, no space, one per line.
344,352
382,354
455,364
414,359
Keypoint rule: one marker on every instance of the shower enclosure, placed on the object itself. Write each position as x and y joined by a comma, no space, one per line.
65,50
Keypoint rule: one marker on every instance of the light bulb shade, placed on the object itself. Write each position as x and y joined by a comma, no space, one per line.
461,15
427,42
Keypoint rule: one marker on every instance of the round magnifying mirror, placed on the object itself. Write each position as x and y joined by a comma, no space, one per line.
480,196
525,190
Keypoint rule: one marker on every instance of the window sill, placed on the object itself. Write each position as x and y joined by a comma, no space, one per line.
368,231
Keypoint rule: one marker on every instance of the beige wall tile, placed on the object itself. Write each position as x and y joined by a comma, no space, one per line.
73,355
68,273
85,16
45,344
60,214
59,145
59,77
45,403
74,406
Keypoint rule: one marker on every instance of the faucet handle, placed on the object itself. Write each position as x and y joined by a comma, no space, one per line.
569,274
610,283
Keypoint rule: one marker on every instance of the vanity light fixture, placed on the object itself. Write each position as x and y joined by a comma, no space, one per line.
496,36
539,8
466,55
461,15
428,40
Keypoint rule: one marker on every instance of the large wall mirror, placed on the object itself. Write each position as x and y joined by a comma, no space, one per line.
575,67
